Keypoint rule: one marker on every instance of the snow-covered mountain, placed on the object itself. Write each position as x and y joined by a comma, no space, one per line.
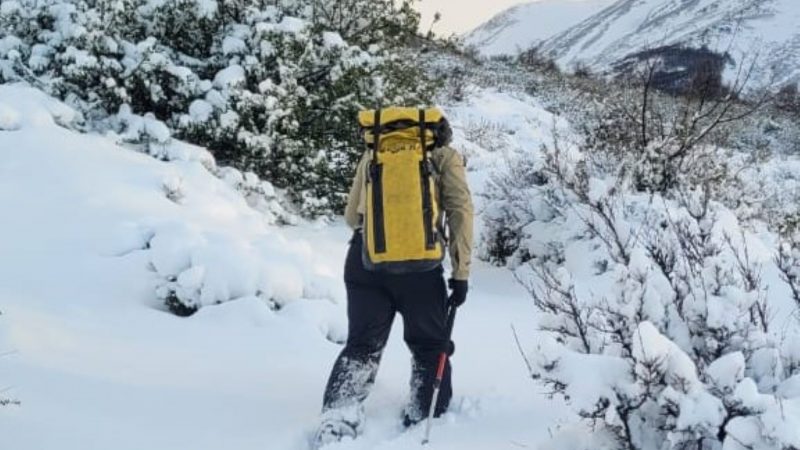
626,28
527,25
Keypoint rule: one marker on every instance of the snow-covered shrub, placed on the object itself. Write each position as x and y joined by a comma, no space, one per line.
487,134
194,268
663,141
260,195
505,221
270,88
658,296
788,262
144,133
788,99
768,131
662,302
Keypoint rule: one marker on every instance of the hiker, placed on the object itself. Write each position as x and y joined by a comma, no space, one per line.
408,185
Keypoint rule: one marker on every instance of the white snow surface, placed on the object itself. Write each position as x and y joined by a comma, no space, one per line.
92,230
524,26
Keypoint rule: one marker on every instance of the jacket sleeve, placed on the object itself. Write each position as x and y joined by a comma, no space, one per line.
352,214
457,205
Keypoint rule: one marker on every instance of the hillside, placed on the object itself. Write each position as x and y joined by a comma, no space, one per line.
625,28
89,238
527,25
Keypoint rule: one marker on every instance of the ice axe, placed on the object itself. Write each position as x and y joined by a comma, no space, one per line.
437,382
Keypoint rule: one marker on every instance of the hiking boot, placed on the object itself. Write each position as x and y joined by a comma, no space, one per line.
413,415
330,432
337,424
409,421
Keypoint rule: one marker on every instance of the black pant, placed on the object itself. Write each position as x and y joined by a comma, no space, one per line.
372,300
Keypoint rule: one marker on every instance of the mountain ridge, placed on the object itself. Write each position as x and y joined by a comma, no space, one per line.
508,31
764,31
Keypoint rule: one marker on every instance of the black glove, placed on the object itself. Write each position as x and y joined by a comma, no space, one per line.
458,294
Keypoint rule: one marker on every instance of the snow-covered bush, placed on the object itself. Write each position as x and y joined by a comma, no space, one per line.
260,195
270,88
664,141
487,134
788,262
788,99
505,221
646,280
195,268
661,300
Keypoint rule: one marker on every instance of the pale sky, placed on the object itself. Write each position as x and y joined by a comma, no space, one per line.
459,16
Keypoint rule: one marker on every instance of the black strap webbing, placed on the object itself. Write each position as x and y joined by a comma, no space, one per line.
422,134
376,131
427,206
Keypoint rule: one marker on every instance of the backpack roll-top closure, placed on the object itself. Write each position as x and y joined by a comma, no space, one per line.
402,205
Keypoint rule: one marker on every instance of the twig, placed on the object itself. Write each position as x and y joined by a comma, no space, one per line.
522,352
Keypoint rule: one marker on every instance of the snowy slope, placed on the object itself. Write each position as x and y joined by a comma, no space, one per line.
623,28
99,365
742,27
524,26
96,361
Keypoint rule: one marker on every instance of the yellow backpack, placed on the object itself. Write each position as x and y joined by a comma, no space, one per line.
400,230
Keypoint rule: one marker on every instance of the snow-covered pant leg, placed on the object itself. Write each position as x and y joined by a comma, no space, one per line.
370,312
422,301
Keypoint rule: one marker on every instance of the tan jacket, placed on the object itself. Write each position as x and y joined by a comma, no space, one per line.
454,197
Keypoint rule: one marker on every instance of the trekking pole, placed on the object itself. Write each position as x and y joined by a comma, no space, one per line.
437,382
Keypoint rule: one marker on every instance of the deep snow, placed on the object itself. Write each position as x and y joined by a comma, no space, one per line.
99,364
94,234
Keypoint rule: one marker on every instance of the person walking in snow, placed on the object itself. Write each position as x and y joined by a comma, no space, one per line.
409,202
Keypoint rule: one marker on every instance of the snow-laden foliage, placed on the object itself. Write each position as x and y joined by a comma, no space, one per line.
269,87
635,235
788,261
661,300
197,269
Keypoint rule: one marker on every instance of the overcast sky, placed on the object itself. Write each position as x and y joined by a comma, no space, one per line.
459,16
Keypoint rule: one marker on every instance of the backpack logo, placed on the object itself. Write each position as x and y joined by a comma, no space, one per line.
399,147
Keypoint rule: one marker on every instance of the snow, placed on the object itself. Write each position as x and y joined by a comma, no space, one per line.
522,27
9,118
229,76
207,8
102,234
233,45
727,371
743,28
142,127
790,388
650,345
333,40
599,33
98,230
292,25
9,7
200,110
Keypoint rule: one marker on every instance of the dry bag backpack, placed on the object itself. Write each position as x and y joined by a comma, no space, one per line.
401,233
